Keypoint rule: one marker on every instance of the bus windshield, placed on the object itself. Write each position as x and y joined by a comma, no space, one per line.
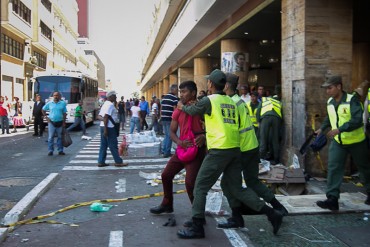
69,87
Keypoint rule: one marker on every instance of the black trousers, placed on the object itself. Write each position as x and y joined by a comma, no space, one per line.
143,120
39,125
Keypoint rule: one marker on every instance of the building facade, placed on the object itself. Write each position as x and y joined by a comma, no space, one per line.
36,36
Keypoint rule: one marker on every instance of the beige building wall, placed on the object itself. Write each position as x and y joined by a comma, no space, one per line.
166,85
185,74
316,41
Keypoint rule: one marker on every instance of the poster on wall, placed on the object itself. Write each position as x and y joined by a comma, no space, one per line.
234,61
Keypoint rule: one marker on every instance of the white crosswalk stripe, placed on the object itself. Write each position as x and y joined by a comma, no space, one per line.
96,168
87,159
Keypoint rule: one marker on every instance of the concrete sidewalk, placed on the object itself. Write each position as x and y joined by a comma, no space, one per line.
20,131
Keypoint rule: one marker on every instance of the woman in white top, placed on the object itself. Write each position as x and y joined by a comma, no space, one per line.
135,120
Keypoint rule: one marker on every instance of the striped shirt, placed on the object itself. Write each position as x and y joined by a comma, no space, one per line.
168,104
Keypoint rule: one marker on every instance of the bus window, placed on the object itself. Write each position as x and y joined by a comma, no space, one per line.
75,90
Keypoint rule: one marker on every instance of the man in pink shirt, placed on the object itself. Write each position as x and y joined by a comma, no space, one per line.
188,93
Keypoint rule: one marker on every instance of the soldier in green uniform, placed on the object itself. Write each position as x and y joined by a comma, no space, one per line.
345,119
249,158
222,134
269,116
252,109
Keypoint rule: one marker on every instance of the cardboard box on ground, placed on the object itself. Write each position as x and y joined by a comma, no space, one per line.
287,180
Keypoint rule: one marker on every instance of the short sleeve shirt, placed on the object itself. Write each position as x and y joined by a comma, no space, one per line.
3,111
135,111
56,110
109,109
154,107
78,111
169,102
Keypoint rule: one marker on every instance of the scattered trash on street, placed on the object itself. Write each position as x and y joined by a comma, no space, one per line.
99,207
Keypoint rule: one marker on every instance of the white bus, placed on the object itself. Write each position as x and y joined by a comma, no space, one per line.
73,86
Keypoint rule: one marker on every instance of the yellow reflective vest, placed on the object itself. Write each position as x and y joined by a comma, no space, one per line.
252,114
248,138
222,124
269,104
339,117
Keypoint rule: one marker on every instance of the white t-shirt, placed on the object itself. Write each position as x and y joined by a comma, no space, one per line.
154,107
107,108
246,98
135,111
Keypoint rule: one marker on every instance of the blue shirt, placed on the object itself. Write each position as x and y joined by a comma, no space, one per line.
56,110
144,106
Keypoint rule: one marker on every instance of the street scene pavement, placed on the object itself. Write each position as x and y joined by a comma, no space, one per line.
75,181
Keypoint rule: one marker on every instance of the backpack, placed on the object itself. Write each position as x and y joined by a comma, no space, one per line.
318,143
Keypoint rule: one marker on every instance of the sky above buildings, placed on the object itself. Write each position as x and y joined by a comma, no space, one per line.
118,31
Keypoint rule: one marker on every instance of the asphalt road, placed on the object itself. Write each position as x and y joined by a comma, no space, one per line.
25,163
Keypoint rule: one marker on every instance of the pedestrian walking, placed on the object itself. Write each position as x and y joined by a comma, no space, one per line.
135,117
79,120
180,120
347,133
56,121
38,121
127,107
122,112
4,120
108,133
155,116
222,124
17,116
168,105
144,110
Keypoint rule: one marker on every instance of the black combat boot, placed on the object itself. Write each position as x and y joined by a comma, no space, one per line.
189,223
235,221
368,199
274,216
331,203
195,231
279,207
162,209
245,210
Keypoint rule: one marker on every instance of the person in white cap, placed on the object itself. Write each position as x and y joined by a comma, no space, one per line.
108,133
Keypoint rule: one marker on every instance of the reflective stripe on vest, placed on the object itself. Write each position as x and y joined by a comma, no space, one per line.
239,102
341,116
248,138
269,104
222,124
252,114
241,131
